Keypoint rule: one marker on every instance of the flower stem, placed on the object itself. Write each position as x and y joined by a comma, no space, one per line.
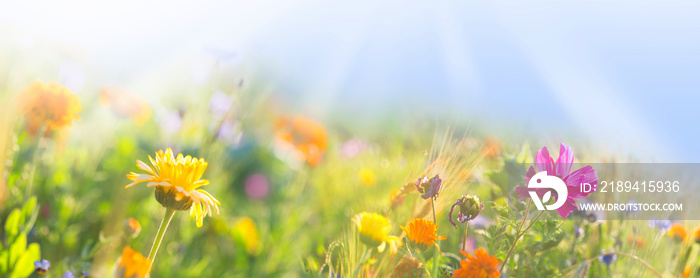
647,265
159,236
435,255
35,161
519,233
466,226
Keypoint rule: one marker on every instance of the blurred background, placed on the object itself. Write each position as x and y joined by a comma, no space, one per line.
622,76
310,112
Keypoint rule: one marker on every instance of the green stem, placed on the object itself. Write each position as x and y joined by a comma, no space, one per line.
643,262
466,226
159,237
35,161
519,234
437,252
408,247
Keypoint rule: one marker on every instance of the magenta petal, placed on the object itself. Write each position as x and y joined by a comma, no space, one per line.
565,161
568,207
544,162
530,172
523,194
584,175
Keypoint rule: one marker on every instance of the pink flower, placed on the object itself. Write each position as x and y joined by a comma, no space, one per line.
257,186
561,169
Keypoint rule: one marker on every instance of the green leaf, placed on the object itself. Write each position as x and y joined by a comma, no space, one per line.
12,224
17,248
29,206
3,261
25,264
525,155
29,211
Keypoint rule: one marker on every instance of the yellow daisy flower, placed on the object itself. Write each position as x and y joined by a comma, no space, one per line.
422,233
374,231
367,176
247,233
177,181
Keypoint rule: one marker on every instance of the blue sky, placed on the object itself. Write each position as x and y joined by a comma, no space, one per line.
619,74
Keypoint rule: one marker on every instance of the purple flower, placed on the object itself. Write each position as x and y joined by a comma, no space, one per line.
68,274
430,188
471,243
578,231
561,169
42,266
230,132
171,121
257,186
220,103
607,259
353,147
479,222
661,225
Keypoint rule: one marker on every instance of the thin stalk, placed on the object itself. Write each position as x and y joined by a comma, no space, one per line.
466,226
533,222
159,236
437,252
647,265
35,161
519,234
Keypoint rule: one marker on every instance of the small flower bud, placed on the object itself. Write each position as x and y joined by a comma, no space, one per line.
469,208
132,227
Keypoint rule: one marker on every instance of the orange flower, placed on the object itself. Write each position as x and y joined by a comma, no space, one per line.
686,272
422,233
132,264
132,227
696,235
408,268
480,266
50,105
678,232
636,241
492,147
308,139
126,104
